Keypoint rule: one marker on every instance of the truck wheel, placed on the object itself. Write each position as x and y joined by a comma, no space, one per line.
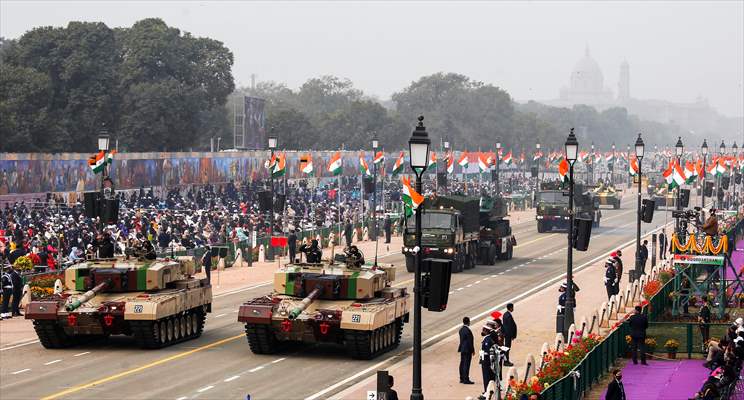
492,254
261,339
483,255
409,263
470,259
459,261
510,252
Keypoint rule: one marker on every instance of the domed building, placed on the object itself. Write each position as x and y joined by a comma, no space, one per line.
587,85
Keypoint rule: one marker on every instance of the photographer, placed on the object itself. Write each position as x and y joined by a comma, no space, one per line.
711,224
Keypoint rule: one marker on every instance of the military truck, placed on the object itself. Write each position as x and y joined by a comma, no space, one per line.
462,229
552,207
348,304
607,195
159,302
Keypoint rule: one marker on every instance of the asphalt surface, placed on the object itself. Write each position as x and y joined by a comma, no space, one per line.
220,365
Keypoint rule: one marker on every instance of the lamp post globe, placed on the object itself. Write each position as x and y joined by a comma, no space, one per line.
418,146
722,148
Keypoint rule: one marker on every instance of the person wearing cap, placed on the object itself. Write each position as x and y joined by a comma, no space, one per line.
491,337
206,260
610,277
617,256
510,332
6,284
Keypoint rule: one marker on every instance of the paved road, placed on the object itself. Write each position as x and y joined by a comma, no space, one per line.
220,365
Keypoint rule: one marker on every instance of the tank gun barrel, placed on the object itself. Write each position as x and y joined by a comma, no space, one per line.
305,302
72,306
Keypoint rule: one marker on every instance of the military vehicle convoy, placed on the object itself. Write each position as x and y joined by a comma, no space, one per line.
348,304
462,229
552,207
663,197
159,302
608,195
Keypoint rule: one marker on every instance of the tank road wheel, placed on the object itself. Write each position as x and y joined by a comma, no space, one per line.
163,332
201,317
51,335
398,330
147,334
359,344
180,332
187,324
261,339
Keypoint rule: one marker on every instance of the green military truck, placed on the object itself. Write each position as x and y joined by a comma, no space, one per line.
451,229
552,207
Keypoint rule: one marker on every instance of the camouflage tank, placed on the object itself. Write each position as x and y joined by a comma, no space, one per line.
158,302
348,304
608,195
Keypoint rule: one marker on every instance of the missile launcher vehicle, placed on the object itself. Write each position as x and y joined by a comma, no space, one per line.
347,303
158,302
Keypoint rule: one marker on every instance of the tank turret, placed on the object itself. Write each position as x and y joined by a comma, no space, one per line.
74,304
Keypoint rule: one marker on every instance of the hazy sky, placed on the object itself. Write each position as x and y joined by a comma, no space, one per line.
676,50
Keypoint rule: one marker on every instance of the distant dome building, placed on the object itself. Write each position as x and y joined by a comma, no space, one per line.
587,84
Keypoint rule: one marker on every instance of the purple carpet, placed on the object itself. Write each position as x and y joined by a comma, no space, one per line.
663,380
737,260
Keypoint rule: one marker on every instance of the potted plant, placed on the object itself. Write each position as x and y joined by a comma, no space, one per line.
629,341
650,344
671,347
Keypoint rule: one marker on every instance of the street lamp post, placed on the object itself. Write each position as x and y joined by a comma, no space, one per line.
272,147
375,145
450,155
572,150
498,157
722,153
679,148
537,174
704,150
418,148
639,149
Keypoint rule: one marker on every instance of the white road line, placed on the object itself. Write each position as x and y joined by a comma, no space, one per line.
232,378
493,276
52,362
256,369
458,289
221,315
204,389
501,273
471,285
20,345
279,360
182,398
21,371
235,310
486,278
474,319
451,292
81,354
476,282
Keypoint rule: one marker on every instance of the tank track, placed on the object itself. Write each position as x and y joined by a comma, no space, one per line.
52,335
169,330
261,339
365,345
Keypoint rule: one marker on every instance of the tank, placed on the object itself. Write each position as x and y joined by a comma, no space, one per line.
608,195
158,302
334,303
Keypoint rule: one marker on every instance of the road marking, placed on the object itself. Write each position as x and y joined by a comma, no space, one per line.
471,285
110,378
458,289
260,367
474,319
19,345
232,378
182,398
21,371
279,360
501,273
486,278
205,388
52,362
221,315
81,354
451,292
476,282
494,275
235,311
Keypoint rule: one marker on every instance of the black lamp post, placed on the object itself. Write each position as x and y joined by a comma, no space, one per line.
639,149
498,158
375,145
721,154
704,150
679,148
418,150
446,150
272,147
572,151
537,174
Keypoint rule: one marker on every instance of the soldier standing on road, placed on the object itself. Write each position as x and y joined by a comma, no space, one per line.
662,244
510,332
6,283
644,256
610,277
206,261
17,281
618,268
466,350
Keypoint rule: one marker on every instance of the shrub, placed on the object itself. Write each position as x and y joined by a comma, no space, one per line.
671,345
23,263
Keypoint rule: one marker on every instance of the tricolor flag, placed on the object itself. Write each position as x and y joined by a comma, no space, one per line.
490,158
699,169
399,164
269,164
713,167
110,156
507,158
463,162
609,157
97,162
411,198
633,166
432,161
336,164
279,166
678,176
597,157
537,156
379,157
306,164
720,166
363,167
482,162
563,170
450,163
690,173
521,158
668,174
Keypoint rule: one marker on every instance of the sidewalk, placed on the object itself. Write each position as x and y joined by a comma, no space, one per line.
535,317
19,330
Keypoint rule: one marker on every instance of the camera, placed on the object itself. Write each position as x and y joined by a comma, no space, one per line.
686,214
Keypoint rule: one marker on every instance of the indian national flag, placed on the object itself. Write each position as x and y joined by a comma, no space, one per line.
720,166
279,166
399,164
699,169
507,158
537,156
678,176
463,162
110,156
609,157
306,164
713,167
690,172
482,162
521,158
432,161
450,163
411,198
563,170
363,167
668,174
336,164
582,156
379,157
97,162
633,166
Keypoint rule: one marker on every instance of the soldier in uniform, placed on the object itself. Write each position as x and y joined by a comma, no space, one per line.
492,337
562,301
610,277
6,283
312,252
